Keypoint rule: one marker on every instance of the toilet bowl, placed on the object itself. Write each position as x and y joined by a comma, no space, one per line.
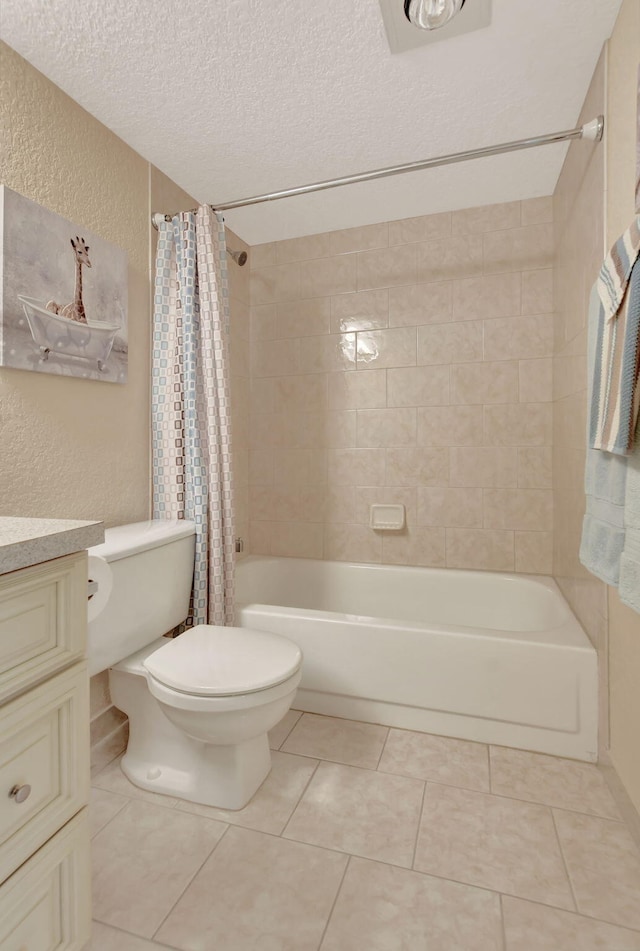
199,705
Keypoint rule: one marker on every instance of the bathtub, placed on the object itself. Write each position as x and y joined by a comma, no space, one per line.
495,658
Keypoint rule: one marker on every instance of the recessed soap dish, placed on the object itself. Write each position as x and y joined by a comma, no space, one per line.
389,518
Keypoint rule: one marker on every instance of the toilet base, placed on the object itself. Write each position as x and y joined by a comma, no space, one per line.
163,759
222,776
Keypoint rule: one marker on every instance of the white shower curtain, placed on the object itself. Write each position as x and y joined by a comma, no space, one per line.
191,412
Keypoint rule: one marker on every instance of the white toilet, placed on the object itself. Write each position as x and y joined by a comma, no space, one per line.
199,705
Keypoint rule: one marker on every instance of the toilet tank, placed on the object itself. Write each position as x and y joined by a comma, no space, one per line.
143,589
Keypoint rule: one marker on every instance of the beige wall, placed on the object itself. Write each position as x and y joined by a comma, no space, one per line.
624,624
80,449
406,362
73,448
593,204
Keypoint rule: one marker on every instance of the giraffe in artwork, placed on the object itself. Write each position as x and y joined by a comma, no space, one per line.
75,310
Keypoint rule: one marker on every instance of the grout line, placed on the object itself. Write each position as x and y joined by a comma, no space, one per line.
129,934
427,874
415,844
192,877
126,802
293,726
335,900
457,881
502,925
471,789
298,801
564,861
384,746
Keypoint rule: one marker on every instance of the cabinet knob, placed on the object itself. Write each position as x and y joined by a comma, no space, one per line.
20,793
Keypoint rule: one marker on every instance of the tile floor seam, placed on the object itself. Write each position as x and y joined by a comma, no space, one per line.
489,767
537,802
604,921
619,821
415,871
435,782
134,798
299,800
360,855
384,772
335,901
191,879
293,726
120,811
567,911
131,934
483,792
383,749
313,845
482,888
415,844
503,931
111,818
564,862
514,894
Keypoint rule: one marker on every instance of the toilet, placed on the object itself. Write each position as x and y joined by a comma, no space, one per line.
199,705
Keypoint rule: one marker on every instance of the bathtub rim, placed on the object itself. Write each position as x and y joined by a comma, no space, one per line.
568,635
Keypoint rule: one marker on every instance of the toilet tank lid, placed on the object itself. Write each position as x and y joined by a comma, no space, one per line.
125,540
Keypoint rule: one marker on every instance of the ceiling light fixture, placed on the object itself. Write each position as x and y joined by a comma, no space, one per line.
431,14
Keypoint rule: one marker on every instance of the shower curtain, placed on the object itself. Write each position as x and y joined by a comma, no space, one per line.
191,412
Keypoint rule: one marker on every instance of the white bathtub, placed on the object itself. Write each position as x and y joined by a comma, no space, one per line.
496,658
53,333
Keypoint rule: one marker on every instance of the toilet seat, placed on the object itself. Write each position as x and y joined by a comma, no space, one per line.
198,703
214,662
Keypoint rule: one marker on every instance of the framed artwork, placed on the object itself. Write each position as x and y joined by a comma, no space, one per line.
63,295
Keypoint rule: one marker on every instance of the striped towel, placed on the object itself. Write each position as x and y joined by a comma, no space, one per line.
616,394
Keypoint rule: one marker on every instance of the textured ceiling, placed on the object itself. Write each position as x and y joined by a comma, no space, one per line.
238,97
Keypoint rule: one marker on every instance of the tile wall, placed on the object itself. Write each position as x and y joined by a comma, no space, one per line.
406,362
579,230
239,381
579,216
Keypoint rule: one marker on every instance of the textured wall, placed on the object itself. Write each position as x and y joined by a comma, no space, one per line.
624,624
406,362
73,448
80,449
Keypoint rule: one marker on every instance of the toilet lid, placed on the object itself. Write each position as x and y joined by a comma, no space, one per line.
222,661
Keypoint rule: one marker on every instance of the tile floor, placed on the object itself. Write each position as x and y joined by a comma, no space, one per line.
365,838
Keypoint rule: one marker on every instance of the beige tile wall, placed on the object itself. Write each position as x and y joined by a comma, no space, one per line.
624,624
239,381
406,362
579,227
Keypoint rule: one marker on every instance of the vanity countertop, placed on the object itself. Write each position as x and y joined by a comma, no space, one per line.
29,541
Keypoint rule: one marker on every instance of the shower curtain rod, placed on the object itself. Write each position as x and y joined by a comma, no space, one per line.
591,131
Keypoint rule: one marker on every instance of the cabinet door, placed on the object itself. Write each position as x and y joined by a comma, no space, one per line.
43,621
46,904
44,764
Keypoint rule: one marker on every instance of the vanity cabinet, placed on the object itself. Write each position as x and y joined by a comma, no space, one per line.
44,757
